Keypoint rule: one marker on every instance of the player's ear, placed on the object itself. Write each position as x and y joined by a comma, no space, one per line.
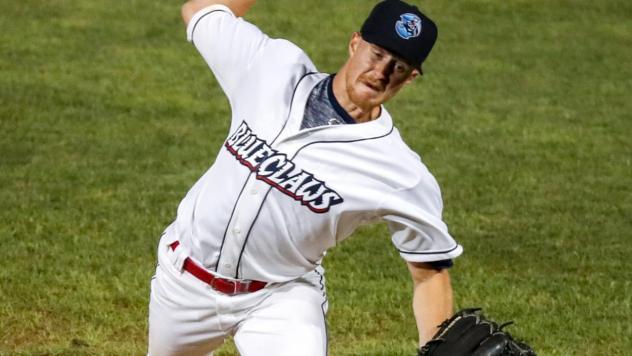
414,74
355,41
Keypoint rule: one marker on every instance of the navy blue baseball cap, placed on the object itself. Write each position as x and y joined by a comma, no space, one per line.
401,29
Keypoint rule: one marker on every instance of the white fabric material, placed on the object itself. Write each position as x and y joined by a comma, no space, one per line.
187,317
277,197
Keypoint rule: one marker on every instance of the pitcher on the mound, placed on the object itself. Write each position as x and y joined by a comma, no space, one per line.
308,158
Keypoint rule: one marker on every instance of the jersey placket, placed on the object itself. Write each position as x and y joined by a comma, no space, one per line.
242,223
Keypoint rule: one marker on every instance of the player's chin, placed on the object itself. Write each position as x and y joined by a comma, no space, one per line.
368,97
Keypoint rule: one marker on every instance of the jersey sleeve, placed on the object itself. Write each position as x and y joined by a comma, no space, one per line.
414,218
228,44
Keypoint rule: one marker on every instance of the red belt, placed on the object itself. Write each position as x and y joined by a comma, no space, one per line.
226,286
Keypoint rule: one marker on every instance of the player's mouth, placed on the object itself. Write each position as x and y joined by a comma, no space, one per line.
373,86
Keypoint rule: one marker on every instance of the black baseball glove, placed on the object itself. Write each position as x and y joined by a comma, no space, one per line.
469,333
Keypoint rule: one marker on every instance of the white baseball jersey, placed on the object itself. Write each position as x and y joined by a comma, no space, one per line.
277,197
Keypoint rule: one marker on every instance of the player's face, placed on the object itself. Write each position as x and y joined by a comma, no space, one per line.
374,74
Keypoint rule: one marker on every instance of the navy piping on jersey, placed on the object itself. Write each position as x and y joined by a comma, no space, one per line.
429,253
335,104
343,141
219,257
201,17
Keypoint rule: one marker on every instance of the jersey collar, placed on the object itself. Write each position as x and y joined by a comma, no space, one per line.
381,126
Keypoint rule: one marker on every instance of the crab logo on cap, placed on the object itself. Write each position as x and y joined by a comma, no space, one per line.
408,26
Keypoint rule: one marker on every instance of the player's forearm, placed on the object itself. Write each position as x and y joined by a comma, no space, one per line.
432,299
238,7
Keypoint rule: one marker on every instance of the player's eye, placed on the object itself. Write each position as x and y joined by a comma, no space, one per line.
378,54
402,67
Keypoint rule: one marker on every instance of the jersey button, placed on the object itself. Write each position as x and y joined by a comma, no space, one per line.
254,191
236,230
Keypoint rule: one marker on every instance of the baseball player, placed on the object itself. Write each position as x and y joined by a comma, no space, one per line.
308,158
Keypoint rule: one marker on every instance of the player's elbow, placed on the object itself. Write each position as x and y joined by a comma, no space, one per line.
422,272
189,9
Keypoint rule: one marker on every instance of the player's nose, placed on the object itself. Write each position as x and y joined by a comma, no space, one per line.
381,70
384,69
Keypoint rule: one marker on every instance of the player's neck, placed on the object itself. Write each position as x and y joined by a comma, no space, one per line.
358,113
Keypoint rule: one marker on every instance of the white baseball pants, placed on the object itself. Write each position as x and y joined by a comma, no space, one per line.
188,317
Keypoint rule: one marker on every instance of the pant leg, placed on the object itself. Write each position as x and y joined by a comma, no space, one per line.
183,318
289,322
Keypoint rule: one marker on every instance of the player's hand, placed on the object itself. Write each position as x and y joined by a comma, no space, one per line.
469,333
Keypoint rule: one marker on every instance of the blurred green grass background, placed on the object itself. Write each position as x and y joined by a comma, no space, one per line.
107,116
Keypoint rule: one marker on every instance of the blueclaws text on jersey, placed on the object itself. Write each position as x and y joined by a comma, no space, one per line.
279,171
